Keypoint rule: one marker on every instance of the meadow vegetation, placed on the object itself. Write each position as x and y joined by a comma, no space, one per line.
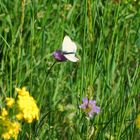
107,35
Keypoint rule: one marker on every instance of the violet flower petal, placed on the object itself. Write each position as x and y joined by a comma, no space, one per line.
85,103
92,102
58,55
82,106
90,114
85,100
95,109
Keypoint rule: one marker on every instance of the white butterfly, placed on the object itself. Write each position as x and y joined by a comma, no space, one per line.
69,49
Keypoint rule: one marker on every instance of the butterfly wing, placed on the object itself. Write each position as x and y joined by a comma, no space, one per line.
69,49
71,57
68,45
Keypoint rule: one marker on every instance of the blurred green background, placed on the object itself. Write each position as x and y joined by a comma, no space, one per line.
107,35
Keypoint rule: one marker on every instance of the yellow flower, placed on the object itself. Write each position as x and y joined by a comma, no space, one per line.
22,91
5,136
16,127
19,116
26,105
10,102
4,112
9,129
138,121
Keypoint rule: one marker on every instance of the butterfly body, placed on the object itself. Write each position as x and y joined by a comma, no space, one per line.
64,53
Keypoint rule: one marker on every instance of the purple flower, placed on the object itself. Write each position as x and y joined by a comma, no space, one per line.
58,55
89,106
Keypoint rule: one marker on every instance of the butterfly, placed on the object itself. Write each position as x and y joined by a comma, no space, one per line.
69,49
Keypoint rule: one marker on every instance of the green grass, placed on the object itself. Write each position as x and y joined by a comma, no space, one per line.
107,34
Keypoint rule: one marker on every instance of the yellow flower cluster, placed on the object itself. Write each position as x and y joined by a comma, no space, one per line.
4,112
26,106
8,129
138,121
10,102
